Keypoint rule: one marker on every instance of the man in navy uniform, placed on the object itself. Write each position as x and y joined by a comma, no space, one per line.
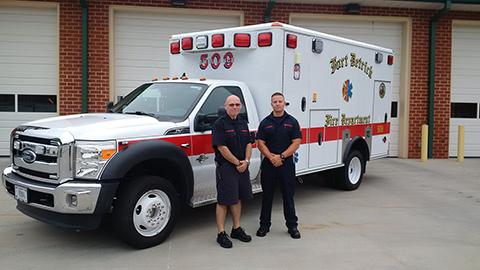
233,147
278,137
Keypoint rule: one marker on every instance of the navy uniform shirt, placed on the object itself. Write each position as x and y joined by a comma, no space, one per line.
232,133
278,132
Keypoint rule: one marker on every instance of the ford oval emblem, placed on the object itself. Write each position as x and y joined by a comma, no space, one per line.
29,156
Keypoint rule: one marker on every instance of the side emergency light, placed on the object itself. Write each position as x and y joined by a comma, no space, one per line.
291,41
218,40
390,59
202,42
175,47
265,39
187,43
241,40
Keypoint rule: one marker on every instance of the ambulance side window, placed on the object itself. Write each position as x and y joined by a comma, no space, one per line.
208,113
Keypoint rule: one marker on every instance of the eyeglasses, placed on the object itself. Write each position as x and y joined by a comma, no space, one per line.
234,105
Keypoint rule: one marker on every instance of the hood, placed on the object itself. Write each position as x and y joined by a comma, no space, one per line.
103,126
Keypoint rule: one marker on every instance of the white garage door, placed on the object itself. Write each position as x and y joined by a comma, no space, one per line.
28,67
142,42
385,34
465,89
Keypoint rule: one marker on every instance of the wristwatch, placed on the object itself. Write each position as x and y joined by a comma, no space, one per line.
282,157
248,161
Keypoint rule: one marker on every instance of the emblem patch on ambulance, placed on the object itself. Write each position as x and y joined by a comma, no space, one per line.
381,90
347,90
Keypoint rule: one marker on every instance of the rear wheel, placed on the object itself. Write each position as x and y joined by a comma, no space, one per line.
145,211
350,176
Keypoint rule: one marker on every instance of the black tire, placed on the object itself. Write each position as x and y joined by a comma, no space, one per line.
349,177
145,211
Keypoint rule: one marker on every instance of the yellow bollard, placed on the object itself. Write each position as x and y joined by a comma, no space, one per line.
424,142
461,143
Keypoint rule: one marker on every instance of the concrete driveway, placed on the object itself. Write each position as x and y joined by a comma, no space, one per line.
405,215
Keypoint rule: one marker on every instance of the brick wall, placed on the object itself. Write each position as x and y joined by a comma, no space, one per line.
70,69
70,55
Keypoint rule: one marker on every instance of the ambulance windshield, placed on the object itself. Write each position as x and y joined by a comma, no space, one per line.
164,101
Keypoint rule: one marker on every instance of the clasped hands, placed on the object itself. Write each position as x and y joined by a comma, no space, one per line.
242,166
276,160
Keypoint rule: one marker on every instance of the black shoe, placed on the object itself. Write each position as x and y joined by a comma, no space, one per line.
240,234
222,239
294,233
262,231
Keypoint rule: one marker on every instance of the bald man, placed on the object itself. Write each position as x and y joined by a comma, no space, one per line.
233,147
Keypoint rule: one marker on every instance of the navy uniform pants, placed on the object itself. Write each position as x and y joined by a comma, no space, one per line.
285,177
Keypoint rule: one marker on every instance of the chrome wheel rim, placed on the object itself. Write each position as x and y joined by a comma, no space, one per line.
354,170
152,213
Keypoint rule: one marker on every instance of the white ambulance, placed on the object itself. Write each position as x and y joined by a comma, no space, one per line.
338,89
152,152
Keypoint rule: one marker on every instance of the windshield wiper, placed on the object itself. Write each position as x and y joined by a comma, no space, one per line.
142,113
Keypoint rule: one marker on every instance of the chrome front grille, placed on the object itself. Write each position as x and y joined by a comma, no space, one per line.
42,159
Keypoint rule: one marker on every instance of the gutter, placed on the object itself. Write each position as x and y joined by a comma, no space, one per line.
84,6
431,73
268,11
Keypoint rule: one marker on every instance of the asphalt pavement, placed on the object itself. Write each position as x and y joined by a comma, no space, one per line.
407,214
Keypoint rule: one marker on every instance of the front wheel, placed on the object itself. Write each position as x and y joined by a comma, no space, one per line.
350,176
145,211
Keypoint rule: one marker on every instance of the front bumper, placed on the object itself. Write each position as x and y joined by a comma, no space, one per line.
65,205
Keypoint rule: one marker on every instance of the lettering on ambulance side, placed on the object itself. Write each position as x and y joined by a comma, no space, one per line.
216,60
355,61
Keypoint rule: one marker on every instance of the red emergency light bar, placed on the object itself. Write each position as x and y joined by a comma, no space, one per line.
291,41
175,47
241,40
390,60
218,40
265,39
187,43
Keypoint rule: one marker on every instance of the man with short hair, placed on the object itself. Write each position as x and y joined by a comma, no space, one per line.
233,147
278,138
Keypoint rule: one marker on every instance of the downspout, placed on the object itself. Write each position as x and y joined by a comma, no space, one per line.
84,6
268,11
431,73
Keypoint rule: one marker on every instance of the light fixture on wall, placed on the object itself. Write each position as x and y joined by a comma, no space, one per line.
352,8
179,3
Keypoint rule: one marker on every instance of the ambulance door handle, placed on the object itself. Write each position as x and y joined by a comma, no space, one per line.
304,103
320,138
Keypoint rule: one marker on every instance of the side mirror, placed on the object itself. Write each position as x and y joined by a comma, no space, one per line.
221,111
199,124
110,106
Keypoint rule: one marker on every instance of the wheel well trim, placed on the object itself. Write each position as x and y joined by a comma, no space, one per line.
140,152
353,145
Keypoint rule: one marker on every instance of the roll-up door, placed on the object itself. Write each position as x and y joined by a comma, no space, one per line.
28,67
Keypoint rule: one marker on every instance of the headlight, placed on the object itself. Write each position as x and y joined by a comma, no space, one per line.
91,156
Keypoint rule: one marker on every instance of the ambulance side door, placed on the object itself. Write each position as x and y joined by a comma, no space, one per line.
203,154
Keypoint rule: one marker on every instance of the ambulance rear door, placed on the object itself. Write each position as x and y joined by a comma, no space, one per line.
381,118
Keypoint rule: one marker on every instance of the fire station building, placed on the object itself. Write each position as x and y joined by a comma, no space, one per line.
71,56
